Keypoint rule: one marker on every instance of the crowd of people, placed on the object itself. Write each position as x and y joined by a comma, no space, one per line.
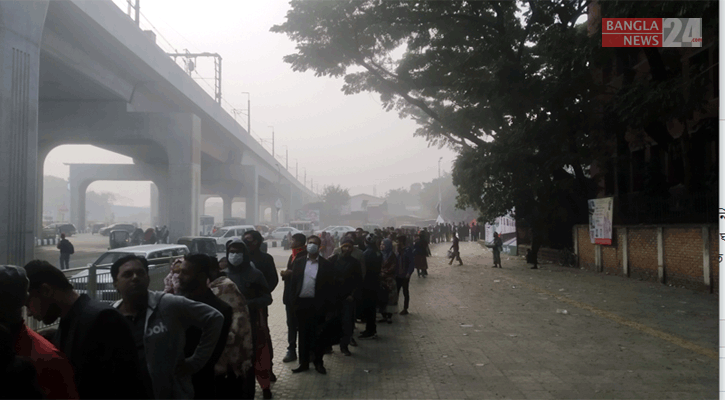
206,335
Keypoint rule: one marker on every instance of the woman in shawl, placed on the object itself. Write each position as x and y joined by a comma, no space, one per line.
387,281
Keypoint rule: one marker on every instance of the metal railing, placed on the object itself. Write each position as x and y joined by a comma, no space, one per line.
98,284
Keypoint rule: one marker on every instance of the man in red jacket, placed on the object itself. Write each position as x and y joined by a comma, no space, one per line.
54,371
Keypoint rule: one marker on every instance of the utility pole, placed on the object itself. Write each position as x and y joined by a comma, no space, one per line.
249,112
270,126
190,65
440,204
137,8
297,170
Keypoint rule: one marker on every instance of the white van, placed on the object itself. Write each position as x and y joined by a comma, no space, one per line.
226,234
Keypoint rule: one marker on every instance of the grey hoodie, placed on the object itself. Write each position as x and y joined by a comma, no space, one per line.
167,318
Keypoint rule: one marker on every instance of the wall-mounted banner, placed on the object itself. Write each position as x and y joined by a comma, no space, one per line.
600,220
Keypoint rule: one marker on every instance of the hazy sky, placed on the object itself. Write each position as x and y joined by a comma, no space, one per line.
338,139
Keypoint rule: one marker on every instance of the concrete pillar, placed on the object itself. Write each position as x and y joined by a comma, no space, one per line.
227,202
154,204
706,257
625,252
275,215
78,203
251,194
163,205
184,174
21,31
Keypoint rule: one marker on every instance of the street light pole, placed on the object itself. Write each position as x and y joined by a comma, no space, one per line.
249,112
440,205
270,126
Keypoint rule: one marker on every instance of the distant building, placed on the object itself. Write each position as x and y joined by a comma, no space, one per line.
360,203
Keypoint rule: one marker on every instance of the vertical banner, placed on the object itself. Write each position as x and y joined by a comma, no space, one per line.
506,228
601,213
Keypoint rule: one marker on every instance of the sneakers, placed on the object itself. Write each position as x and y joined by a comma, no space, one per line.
368,335
290,356
404,312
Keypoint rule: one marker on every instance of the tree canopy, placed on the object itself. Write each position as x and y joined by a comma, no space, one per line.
335,197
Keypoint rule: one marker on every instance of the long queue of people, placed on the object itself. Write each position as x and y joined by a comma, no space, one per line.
206,335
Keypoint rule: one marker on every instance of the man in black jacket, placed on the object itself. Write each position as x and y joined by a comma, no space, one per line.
297,243
195,270
348,282
93,335
371,286
313,292
66,249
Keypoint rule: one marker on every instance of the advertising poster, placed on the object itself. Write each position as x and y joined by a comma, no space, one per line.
600,220
506,228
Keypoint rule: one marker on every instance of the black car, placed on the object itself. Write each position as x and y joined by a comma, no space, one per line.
117,227
68,229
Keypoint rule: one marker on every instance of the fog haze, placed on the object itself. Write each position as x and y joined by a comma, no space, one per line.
337,139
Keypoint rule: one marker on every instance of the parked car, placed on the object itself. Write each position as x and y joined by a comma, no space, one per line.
126,227
158,255
280,233
96,228
199,244
49,232
318,232
58,228
224,235
340,230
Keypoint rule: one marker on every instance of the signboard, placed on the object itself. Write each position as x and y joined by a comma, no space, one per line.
308,215
506,228
600,220
278,204
651,32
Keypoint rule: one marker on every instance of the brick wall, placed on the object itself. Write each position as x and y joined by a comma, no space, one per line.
586,248
683,257
682,248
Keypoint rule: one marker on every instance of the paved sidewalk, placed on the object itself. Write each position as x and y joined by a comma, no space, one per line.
480,333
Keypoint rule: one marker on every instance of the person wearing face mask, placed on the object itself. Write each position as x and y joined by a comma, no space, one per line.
348,281
312,297
254,288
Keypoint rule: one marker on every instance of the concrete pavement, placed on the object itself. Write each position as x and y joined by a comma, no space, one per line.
480,333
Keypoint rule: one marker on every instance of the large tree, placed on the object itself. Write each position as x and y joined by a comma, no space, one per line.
507,84
335,197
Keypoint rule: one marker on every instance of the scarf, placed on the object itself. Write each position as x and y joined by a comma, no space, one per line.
387,249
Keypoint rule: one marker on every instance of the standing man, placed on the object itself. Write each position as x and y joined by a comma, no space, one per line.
405,270
456,250
297,243
95,337
159,322
371,286
194,272
348,282
66,249
313,296
53,371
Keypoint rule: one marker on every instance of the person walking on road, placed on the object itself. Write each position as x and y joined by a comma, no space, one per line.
371,286
95,337
496,249
456,253
66,249
388,269
420,254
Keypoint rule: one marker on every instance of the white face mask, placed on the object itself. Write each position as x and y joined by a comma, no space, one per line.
312,248
236,259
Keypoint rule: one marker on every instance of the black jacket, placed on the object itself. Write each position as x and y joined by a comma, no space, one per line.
265,264
99,344
325,291
287,295
348,276
65,247
373,264
203,380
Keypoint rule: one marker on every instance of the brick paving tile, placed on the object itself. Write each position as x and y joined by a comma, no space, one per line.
474,332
